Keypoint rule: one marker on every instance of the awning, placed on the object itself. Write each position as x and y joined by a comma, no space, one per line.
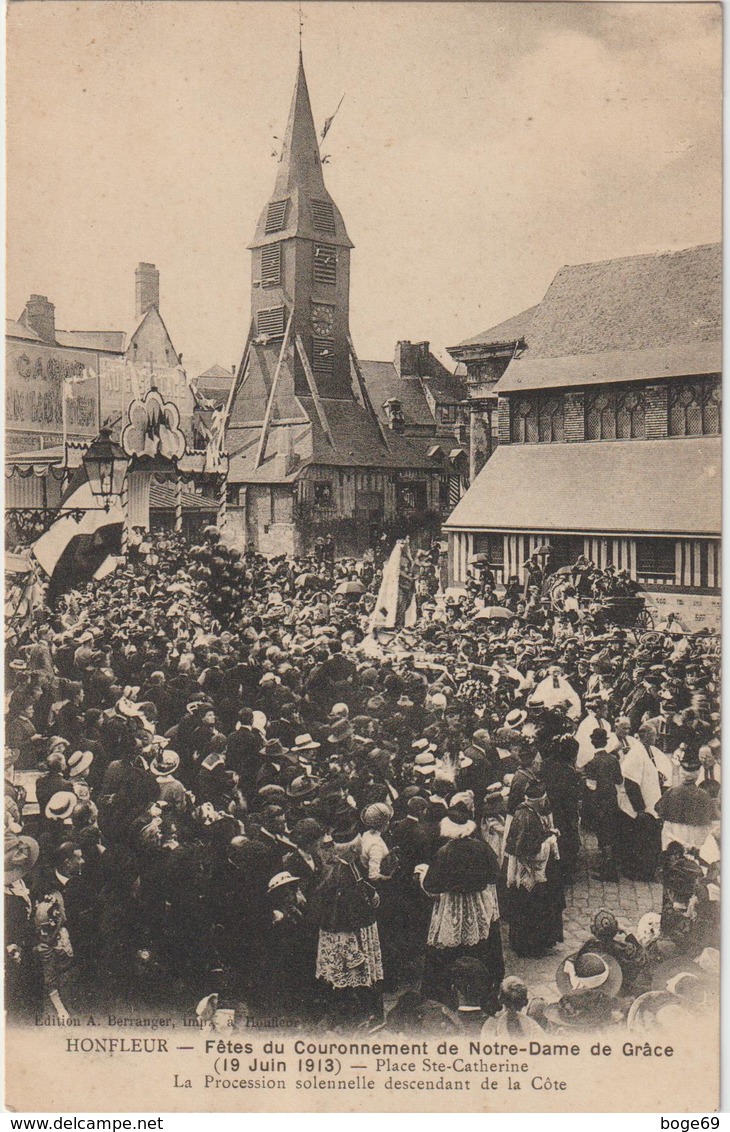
163,497
627,486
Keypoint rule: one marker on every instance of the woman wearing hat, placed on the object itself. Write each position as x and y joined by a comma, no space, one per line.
589,983
373,850
465,919
291,946
534,884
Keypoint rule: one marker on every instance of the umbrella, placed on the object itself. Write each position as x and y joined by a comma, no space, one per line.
352,587
303,580
493,613
565,570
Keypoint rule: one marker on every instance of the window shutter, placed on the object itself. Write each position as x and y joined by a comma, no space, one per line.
323,356
323,216
271,322
275,216
271,265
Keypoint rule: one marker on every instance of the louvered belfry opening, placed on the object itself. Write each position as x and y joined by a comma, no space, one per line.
275,216
323,356
271,322
325,264
323,216
271,265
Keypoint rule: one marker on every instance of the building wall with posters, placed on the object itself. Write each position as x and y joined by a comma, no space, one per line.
34,375
66,383
40,358
609,418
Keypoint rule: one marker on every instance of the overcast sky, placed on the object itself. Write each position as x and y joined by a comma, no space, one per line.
479,148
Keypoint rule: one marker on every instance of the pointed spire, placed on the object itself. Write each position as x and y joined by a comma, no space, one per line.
300,165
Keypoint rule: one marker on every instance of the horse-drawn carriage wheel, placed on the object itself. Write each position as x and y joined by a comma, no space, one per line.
644,619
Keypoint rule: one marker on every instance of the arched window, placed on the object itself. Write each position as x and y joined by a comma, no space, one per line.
525,423
694,409
630,416
615,414
537,420
601,415
550,421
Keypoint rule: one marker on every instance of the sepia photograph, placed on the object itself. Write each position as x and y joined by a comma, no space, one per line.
362,497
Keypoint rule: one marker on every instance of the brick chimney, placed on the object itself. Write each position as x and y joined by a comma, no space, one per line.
40,315
146,288
411,359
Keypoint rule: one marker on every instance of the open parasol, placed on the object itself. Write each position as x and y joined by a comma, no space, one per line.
493,613
351,587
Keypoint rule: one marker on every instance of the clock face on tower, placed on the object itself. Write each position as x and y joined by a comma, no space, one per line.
322,319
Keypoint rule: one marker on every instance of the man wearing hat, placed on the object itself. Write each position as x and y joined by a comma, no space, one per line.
164,766
54,780
275,760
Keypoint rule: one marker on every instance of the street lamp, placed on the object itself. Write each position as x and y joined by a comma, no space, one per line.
106,466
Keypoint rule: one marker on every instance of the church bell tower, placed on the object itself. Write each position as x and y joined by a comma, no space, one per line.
300,278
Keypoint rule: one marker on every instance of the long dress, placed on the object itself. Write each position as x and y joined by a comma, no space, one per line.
534,883
464,921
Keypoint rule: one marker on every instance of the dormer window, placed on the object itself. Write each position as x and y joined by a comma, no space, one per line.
393,409
325,264
323,216
275,216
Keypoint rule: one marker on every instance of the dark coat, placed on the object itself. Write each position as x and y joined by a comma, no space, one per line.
462,865
345,901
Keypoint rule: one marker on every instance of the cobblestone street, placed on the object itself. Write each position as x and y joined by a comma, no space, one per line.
627,899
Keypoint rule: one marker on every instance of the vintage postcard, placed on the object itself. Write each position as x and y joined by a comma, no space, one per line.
362,572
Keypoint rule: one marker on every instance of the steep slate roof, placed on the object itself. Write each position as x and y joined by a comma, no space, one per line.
214,384
444,386
15,329
650,486
511,330
299,177
649,317
215,371
357,444
110,341
382,382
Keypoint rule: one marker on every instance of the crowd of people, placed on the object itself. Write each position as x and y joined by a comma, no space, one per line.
224,789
